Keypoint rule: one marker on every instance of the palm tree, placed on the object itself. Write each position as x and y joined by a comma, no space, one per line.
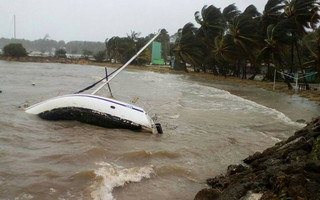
276,44
244,30
211,21
303,13
164,39
187,47
229,13
271,15
211,25
226,53
312,44
120,49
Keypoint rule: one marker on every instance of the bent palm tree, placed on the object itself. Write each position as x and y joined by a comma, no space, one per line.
275,46
303,13
211,23
187,47
244,31
312,44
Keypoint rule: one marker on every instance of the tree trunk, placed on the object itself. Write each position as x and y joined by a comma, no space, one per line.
184,63
204,69
236,68
269,74
223,71
254,74
214,70
244,71
292,57
302,68
185,67
286,79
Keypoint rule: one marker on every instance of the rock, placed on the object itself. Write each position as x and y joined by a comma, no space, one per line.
288,170
301,121
207,194
233,169
252,196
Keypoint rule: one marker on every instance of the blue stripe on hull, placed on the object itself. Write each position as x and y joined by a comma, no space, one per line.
110,101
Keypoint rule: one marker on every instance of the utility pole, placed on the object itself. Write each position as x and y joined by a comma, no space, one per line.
14,26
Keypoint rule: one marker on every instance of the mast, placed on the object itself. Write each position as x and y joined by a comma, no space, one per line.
116,72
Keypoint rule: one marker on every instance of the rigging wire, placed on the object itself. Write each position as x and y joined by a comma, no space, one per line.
94,84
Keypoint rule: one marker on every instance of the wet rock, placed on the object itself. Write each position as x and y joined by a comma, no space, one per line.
233,169
288,170
207,194
301,121
252,196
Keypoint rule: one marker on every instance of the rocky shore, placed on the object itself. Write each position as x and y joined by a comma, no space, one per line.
288,170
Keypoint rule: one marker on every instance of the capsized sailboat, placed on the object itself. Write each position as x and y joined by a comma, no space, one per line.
97,110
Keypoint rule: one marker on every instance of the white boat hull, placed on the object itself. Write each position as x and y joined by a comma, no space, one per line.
95,110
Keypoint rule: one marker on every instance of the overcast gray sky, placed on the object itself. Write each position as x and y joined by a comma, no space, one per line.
96,20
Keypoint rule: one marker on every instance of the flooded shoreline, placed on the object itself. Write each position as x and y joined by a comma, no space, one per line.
312,95
206,128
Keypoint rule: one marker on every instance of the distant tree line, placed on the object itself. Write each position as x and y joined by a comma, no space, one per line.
47,45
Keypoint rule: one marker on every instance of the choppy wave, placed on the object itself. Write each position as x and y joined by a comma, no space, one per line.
87,175
218,99
172,170
279,115
142,154
111,176
90,154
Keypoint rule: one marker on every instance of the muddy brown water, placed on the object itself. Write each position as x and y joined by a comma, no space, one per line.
207,126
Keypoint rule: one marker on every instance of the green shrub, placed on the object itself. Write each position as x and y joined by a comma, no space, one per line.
15,50
100,56
60,53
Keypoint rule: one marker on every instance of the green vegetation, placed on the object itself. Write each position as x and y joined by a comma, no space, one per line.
227,42
86,54
230,42
100,56
14,50
46,45
60,53
121,49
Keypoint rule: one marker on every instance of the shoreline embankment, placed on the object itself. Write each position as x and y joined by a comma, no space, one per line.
312,95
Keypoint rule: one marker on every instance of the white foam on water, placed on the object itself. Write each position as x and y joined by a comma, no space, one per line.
279,115
268,136
112,176
240,103
24,196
